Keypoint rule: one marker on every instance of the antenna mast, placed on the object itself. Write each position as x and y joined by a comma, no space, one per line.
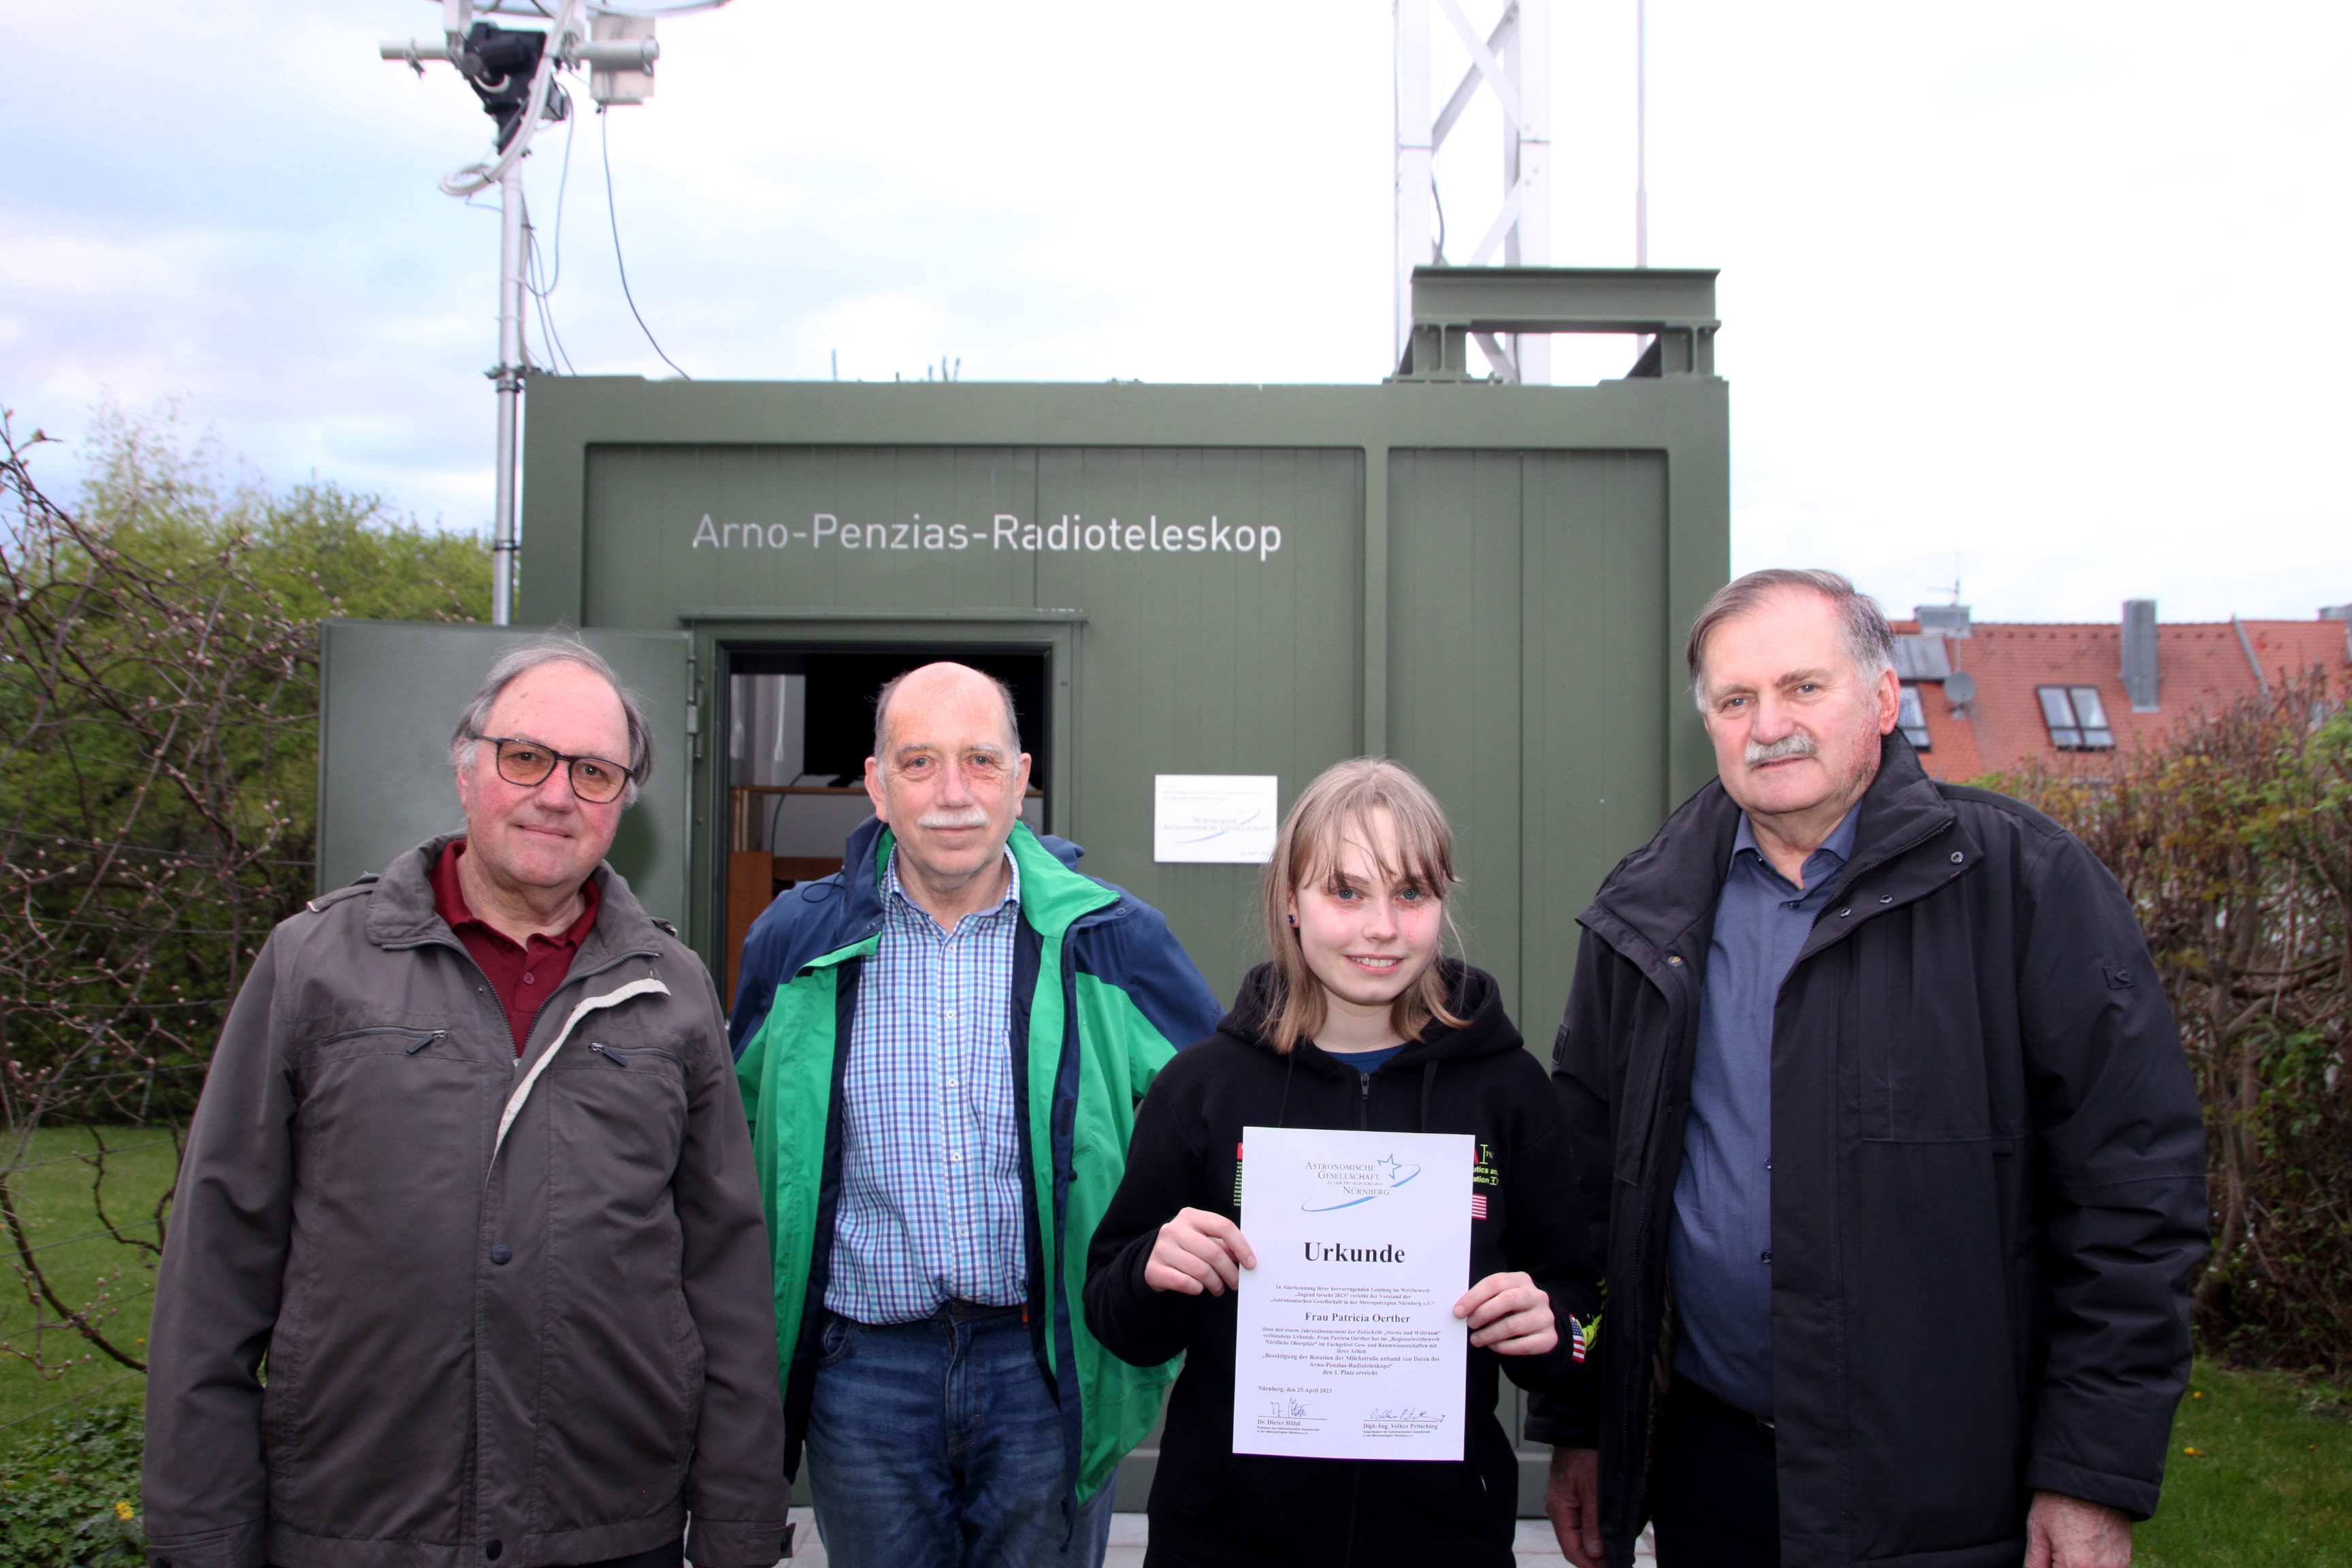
1513,61
512,71
1640,132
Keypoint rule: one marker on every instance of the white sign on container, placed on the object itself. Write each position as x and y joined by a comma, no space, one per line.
1219,818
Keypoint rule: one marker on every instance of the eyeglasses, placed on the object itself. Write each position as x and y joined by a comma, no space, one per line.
527,762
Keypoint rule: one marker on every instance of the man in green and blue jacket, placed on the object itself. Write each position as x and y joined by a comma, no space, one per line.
940,1051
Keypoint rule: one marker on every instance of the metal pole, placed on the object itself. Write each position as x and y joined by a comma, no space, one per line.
1531,169
508,375
1415,148
1640,132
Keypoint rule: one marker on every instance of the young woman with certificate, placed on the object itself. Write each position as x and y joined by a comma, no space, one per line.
1357,1024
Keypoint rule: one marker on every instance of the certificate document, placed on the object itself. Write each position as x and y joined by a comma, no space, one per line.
1348,1347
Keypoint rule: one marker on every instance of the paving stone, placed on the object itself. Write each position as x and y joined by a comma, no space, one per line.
1535,1547
1538,1547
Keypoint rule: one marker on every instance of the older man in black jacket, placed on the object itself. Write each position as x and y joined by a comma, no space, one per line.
1887,1131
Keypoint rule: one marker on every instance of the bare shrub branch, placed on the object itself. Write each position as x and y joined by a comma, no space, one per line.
158,756
2234,842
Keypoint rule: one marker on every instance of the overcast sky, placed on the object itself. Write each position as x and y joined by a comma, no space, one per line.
2043,296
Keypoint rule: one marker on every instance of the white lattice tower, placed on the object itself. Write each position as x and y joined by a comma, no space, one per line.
1510,60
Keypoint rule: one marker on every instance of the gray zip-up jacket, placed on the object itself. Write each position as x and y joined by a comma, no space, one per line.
512,1312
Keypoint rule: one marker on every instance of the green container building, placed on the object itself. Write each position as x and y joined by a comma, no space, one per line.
1489,583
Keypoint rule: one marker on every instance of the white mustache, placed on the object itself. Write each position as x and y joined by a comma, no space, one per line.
968,816
1795,743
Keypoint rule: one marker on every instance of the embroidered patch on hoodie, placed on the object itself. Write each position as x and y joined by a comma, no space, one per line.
1482,1174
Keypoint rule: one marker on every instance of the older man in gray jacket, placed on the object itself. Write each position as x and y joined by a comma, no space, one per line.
470,1180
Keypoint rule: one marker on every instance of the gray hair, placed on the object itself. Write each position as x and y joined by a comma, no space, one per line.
1862,625
891,689
520,661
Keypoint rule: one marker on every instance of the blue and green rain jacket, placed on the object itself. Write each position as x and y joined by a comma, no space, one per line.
1102,995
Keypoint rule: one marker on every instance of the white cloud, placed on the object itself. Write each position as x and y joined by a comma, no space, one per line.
2032,288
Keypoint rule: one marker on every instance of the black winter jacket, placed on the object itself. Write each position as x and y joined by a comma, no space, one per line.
1210,1508
1989,1176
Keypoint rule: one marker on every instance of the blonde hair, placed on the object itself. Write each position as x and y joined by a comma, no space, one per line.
1345,796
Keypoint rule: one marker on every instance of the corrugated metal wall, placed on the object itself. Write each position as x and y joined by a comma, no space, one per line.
1528,595
1486,583
1525,606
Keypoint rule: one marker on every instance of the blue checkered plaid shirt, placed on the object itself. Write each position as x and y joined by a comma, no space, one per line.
931,1202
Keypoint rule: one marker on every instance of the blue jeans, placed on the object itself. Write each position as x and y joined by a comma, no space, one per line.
939,1445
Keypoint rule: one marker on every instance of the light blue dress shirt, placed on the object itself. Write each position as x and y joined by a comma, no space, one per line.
931,1202
1720,1250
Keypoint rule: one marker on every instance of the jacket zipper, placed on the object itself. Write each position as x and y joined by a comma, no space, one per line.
1364,1102
491,991
423,1037
472,1480
1679,1005
619,1057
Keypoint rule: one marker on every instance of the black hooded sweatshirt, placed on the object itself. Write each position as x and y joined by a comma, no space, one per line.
1209,1507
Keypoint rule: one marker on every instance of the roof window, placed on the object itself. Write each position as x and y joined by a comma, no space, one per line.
1911,719
2078,719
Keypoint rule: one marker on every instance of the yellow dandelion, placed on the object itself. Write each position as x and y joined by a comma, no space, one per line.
122,1510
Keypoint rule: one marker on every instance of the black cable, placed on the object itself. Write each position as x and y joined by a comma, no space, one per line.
546,312
561,361
604,139
544,293
562,187
531,268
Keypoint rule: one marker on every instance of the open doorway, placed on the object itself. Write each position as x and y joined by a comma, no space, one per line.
799,724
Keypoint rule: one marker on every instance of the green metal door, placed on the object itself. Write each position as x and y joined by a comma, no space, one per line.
389,694
1529,688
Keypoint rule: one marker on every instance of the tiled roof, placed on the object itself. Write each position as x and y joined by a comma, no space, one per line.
2200,665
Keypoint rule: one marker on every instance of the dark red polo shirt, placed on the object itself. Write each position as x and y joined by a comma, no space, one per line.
521,976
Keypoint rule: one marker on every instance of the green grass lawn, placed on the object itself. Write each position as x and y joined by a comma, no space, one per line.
88,1269
2269,1484
2260,1475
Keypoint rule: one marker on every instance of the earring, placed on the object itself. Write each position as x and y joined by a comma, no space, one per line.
1294,920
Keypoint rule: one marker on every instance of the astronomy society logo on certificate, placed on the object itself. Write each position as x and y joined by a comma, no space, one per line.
1348,1183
